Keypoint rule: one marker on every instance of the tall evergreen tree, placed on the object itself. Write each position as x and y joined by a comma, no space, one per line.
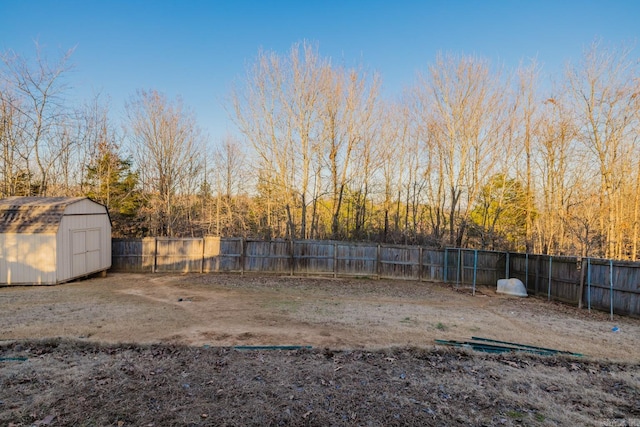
112,182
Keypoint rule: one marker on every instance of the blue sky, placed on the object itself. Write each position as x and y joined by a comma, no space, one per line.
196,48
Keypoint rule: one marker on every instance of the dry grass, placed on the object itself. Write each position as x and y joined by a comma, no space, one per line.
83,384
373,361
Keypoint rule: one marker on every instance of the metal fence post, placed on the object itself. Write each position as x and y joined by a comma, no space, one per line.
445,265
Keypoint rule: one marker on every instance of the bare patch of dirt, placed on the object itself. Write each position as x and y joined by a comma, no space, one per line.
227,310
156,350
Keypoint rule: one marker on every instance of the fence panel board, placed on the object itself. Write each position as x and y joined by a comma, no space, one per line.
522,266
460,265
397,262
313,257
268,257
127,255
179,255
452,265
599,285
432,265
565,282
490,267
222,255
149,254
533,271
626,287
356,259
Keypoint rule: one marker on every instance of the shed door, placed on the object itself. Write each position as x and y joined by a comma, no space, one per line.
85,246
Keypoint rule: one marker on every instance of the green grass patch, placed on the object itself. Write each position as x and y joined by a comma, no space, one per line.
515,414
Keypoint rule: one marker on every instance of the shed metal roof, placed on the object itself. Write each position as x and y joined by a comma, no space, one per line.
36,215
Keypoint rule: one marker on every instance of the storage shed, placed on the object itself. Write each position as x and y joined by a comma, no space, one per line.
50,240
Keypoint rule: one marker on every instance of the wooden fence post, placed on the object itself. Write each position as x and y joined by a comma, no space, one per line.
378,261
202,257
581,289
335,260
589,284
506,266
460,269
445,263
537,275
475,270
243,249
611,288
154,266
292,258
526,270
420,264
550,274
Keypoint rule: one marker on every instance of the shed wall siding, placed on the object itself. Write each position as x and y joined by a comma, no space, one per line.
87,243
83,207
52,240
27,258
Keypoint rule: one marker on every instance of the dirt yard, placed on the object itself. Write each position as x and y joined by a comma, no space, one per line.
226,310
155,350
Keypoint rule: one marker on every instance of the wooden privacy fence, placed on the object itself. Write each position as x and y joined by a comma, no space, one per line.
600,284
306,257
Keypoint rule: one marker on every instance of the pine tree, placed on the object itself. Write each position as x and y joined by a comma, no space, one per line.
111,181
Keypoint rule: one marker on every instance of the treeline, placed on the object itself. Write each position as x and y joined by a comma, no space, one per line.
469,155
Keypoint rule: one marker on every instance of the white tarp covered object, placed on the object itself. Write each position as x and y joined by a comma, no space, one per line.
512,287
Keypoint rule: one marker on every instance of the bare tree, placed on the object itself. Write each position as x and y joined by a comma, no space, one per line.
229,178
635,220
402,162
12,170
465,146
278,112
166,141
97,139
555,154
467,115
603,91
367,164
349,112
525,119
37,89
